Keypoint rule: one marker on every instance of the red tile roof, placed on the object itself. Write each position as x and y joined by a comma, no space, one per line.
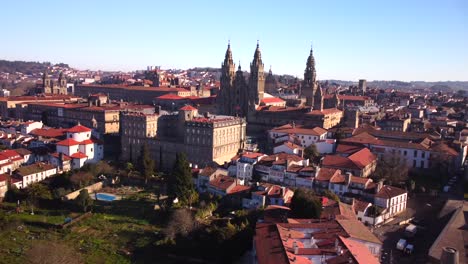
79,129
48,133
222,182
359,252
299,129
56,155
170,96
325,174
68,142
10,153
325,111
269,100
78,155
363,158
388,192
252,155
188,108
337,161
348,148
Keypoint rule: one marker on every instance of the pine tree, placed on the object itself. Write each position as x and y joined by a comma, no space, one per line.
180,184
146,163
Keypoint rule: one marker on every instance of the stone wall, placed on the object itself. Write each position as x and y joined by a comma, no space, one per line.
91,188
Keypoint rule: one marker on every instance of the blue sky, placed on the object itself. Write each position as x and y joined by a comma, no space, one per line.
376,40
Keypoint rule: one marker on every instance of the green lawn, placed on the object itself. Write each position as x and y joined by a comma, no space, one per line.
106,237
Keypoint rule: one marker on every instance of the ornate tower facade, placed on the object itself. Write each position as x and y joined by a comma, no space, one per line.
46,83
242,89
226,99
318,99
309,85
271,85
256,81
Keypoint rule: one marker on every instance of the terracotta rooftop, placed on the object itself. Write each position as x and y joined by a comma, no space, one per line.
170,96
325,174
68,142
299,129
79,129
359,252
388,192
187,108
269,100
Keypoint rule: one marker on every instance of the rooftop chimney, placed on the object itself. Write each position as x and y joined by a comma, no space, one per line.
449,256
296,248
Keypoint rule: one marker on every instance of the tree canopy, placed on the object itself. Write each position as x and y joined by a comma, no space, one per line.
305,204
83,200
392,168
180,183
311,152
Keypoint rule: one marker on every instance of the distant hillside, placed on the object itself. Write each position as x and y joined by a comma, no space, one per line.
25,67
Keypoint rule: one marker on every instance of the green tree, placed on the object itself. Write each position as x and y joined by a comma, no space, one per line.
37,191
81,179
146,165
331,195
311,153
180,184
305,204
83,200
392,168
192,197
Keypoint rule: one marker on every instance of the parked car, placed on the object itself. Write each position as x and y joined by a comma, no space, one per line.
410,231
401,244
409,249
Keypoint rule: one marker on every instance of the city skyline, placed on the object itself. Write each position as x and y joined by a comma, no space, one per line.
417,41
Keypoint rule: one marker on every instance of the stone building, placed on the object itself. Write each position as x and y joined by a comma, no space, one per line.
98,113
134,94
238,96
203,139
50,86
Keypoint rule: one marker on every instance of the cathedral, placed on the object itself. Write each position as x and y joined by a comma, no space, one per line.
49,86
240,97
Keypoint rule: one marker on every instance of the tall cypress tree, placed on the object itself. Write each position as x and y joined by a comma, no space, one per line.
180,184
146,163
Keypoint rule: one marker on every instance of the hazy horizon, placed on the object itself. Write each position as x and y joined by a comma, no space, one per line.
399,40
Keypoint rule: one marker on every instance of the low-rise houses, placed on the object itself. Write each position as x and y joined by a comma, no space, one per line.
79,147
361,163
267,194
29,174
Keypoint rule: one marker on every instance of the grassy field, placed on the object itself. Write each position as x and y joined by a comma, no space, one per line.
110,235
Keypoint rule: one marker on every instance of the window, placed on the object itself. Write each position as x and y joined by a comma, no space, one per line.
423,154
404,152
414,163
415,153
422,163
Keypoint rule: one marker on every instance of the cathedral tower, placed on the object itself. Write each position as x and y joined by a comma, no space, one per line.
226,101
46,84
243,93
256,80
309,85
318,99
271,85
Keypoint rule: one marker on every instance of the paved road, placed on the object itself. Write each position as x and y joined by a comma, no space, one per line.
423,207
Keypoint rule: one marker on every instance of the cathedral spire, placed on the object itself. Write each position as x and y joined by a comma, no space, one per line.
258,54
228,57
